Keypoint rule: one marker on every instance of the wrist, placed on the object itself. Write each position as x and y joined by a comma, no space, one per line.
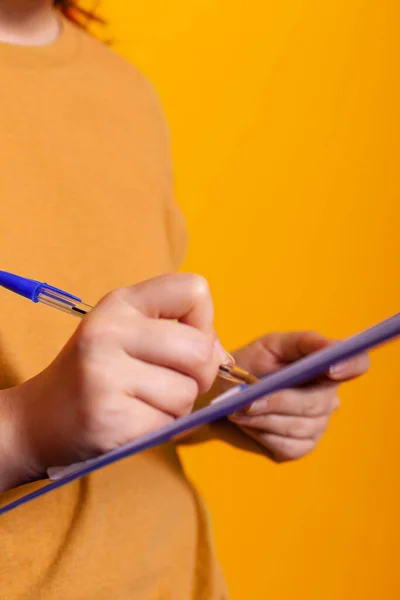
16,465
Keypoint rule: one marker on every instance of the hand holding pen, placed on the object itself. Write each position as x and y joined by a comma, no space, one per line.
136,362
55,298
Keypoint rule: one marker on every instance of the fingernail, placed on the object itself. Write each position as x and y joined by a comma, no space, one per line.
338,369
225,357
258,407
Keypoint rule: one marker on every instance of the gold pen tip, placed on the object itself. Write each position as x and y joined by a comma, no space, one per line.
240,375
251,379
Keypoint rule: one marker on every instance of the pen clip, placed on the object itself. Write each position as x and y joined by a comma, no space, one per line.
53,292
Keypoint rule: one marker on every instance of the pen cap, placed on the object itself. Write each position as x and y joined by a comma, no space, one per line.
20,285
29,288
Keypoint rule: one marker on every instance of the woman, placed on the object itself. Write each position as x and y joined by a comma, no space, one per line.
87,197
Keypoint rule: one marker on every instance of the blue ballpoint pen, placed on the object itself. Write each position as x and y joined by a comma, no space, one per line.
38,291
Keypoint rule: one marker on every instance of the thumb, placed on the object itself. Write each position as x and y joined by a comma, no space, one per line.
291,346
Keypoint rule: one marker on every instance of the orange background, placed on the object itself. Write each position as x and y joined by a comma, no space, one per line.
285,125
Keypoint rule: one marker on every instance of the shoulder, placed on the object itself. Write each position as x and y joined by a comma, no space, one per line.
101,59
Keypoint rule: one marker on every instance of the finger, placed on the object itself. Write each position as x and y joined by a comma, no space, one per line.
350,369
176,346
291,346
185,297
164,389
283,425
158,341
276,350
312,401
280,448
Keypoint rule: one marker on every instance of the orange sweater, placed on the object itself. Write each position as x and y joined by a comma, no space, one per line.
87,204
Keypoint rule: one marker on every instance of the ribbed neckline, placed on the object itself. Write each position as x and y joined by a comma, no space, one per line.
62,50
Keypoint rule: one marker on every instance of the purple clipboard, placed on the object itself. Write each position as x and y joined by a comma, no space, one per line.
295,374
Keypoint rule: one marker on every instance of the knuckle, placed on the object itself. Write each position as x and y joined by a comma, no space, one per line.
310,407
199,285
335,405
187,394
280,398
95,333
299,429
206,381
200,353
289,449
309,336
261,357
322,426
114,298
293,450
311,333
317,429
